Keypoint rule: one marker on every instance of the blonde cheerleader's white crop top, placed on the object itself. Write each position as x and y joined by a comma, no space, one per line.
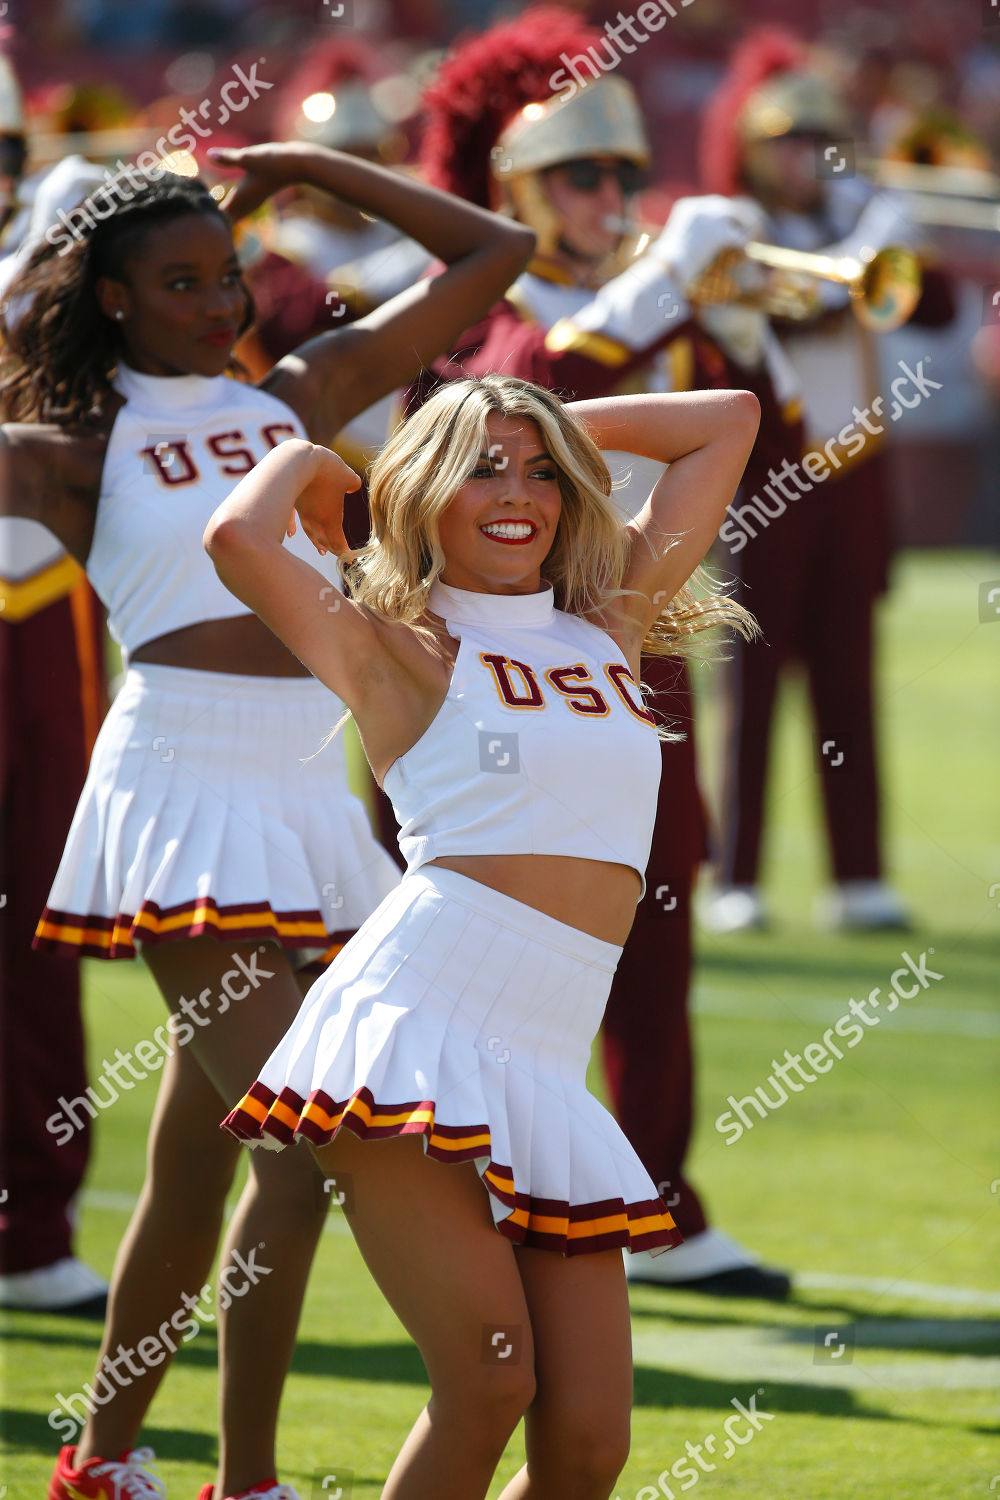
178,447
542,745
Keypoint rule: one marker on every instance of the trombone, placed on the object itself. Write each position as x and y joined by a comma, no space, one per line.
944,197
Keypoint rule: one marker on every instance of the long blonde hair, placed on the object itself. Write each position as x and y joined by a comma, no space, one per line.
431,455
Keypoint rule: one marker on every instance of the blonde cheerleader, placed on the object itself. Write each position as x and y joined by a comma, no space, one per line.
489,653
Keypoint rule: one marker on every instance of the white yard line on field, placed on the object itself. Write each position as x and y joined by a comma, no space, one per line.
735,1005
909,1291
788,1357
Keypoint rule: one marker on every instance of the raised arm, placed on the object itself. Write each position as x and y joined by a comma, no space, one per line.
337,640
333,377
706,438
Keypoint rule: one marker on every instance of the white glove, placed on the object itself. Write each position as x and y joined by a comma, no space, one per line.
746,336
741,331
696,232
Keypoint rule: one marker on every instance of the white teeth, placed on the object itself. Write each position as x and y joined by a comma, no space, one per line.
517,530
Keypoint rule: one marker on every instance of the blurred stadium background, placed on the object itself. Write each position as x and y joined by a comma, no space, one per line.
881,1191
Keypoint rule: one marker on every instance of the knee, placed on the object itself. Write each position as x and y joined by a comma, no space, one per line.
487,1404
193,1179
589,1450
601,1453
502,1397
290,1182
506,1396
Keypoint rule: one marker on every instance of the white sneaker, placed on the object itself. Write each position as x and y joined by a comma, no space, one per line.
733,908
861,905
702,1255
709,1262
66,1285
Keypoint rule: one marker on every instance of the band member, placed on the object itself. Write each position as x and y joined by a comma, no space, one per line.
332,100
327,263
588,318
205,839
53,696
812,565
489,652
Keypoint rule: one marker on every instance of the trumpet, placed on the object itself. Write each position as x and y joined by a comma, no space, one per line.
884,285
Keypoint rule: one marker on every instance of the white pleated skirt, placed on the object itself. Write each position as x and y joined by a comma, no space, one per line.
464,1016
203,813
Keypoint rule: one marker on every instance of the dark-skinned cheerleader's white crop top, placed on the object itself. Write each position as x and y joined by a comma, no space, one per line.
177,448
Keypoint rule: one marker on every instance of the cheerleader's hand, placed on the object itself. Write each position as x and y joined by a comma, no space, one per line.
266,169
320,503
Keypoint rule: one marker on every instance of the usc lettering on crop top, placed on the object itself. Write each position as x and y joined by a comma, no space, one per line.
542,745
177,448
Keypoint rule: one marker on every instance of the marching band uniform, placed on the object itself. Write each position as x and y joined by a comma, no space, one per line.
53,692
457,1012
488,119
811,571
54,695
357,263
199,815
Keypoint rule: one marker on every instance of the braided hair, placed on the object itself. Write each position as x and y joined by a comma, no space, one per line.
59,349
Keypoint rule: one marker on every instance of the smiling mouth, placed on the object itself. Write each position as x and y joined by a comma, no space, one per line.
513,533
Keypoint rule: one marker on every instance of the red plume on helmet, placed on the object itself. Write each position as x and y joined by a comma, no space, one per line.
763,54
482,84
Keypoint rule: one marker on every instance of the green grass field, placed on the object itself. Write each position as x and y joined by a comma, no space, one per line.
873,1184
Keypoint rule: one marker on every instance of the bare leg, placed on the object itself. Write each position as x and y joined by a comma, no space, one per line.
280,1214
577,1428
277,1220
426,1232
167,1250
279,1217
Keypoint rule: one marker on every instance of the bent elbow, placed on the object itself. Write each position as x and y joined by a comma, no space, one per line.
211,537
223,536
747,406
518,244
527,239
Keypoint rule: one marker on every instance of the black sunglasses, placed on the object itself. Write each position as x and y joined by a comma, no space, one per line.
13,152
586,175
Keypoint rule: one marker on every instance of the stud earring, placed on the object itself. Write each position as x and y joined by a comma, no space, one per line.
119,315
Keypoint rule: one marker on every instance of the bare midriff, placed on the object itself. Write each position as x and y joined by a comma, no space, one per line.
589,894
241,645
